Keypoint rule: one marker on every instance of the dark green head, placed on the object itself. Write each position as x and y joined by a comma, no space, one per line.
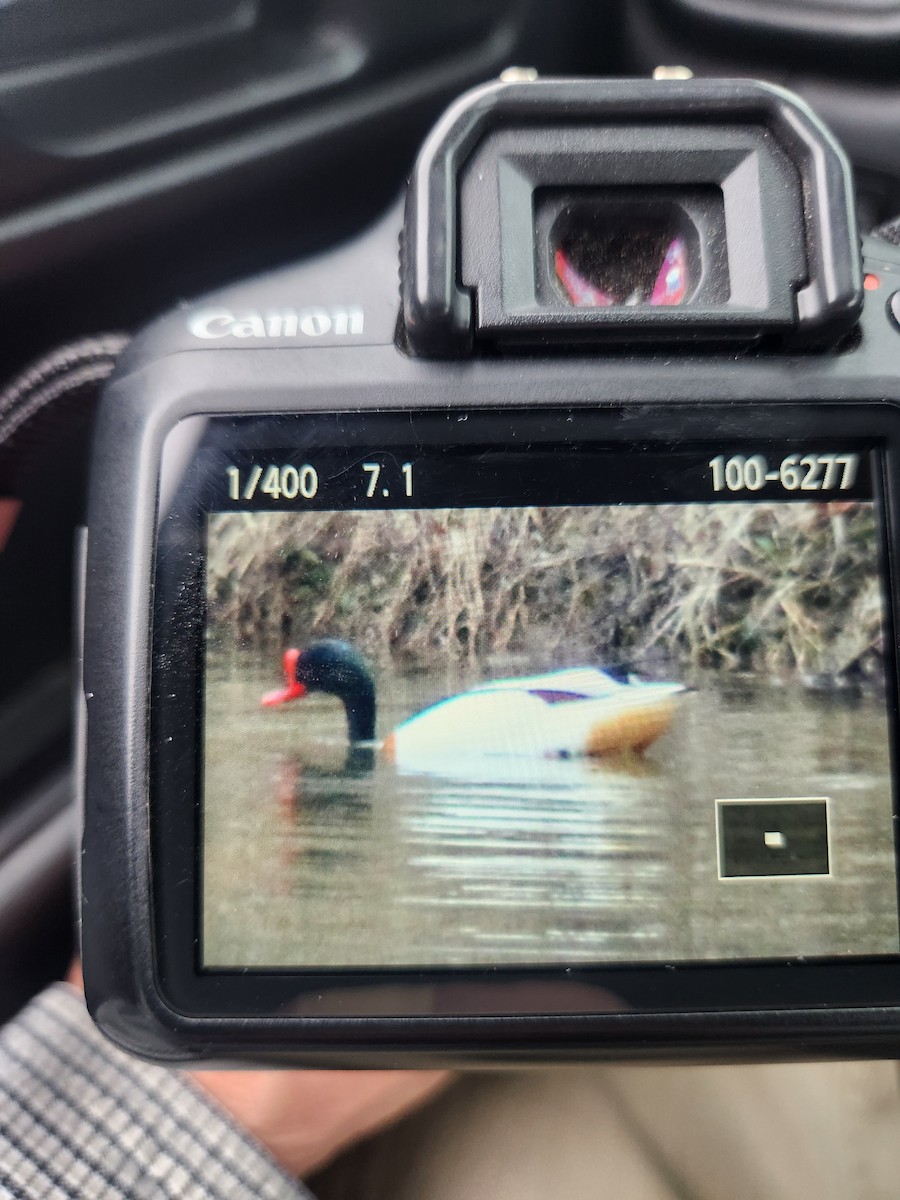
337,668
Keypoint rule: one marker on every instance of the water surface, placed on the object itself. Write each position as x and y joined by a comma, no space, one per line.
313,857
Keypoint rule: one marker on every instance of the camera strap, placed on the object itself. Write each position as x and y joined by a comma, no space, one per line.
889,231
51,394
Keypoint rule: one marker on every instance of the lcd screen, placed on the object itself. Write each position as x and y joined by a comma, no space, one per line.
500,734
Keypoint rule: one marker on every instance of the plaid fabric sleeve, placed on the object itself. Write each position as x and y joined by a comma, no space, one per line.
78,1118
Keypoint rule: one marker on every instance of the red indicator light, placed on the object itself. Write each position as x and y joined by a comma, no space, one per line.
871,282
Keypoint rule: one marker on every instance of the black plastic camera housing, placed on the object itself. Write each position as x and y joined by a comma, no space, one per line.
786,241
765,347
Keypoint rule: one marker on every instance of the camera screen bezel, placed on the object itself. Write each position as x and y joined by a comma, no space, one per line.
561,990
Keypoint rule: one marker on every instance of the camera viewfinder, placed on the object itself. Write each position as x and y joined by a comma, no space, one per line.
630,247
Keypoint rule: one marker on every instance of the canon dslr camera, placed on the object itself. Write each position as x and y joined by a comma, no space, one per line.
489,648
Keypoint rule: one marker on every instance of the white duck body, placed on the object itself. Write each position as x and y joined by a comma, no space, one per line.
561,714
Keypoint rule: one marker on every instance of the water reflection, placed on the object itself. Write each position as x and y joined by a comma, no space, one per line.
489,842
322,816
489,851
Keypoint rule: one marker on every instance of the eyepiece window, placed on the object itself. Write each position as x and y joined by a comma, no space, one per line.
631,247
612,255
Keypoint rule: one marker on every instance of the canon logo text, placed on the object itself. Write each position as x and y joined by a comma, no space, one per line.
212,324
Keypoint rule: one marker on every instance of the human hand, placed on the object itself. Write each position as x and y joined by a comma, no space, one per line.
305,1118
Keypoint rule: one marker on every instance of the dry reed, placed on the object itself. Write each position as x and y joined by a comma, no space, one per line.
771,587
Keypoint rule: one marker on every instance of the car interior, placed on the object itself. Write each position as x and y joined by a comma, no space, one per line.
151,154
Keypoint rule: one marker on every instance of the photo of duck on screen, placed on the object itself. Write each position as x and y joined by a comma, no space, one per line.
520,736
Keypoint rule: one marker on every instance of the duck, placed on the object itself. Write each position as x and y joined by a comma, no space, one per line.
570,713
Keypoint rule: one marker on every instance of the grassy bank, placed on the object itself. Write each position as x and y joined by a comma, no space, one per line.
789,588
